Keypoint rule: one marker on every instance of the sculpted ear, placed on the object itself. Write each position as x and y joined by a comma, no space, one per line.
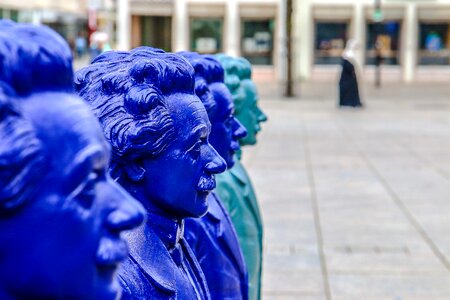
135,172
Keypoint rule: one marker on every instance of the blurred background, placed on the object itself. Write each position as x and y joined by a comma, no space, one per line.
415,33
356,202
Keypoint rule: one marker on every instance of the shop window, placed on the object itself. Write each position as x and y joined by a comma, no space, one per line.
257,41
156,32
329,42
383,40
14,15
206,35
10,14
434,44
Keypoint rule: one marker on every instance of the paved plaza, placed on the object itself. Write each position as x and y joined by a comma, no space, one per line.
356,203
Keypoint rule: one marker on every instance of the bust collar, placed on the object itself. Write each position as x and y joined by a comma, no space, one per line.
169,230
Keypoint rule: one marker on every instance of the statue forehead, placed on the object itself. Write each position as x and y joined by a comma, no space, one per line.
187,110
250,86
222,96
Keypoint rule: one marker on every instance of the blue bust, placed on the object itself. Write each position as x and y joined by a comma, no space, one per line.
213,238
61,215
158,129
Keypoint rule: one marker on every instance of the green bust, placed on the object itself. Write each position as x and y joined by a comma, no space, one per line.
234,187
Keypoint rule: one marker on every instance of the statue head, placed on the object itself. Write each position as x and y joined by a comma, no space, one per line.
245,95
61,215
157,126
226,130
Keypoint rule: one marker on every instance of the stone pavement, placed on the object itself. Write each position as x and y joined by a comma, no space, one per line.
356,203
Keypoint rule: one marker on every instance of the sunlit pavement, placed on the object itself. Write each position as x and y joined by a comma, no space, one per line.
356,203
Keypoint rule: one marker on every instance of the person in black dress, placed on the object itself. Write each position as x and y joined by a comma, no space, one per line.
348,84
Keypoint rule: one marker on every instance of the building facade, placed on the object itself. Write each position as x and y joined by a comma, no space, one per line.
413,35
67,17
249,28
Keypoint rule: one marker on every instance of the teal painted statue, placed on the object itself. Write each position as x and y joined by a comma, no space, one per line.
234,187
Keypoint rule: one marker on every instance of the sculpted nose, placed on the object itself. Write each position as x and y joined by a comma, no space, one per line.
129,213
239,129
262,117
216,163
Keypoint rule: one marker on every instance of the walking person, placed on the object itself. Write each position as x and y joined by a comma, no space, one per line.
348,84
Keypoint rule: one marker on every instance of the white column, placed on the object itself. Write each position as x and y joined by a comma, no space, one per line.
36,16
303,38
358,32
409,43
123,25
180,35
232,28
280,45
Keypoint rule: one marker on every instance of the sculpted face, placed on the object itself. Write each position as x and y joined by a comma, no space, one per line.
249,114
181,178
65,243
226,130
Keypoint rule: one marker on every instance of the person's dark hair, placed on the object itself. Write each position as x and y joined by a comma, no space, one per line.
127,91
32,59
29,53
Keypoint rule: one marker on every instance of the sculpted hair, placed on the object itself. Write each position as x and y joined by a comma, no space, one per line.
28,53
127,91
207,70
245,70
21,156
233,69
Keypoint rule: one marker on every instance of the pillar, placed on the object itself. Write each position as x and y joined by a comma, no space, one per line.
232,30
358,32
123,25
303,38
180,34
410,43
280,45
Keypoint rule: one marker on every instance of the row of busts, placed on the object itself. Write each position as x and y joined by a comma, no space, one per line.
113,191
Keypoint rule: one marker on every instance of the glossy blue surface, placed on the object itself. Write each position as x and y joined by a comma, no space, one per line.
213,238
61,215
158,129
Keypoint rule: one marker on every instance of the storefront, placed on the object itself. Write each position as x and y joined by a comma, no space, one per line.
206,35
252,29
412,37
151,24
383,39
434,43
156,31
434,36
330,41
257,40
11,14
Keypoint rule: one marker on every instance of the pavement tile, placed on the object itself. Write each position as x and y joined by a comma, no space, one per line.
369,189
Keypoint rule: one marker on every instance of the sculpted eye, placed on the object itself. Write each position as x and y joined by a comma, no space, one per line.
195,149
86,194
229,121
